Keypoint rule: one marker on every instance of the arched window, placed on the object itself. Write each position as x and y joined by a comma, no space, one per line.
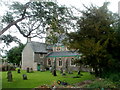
60,62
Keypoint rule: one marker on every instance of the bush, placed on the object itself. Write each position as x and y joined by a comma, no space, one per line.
114,77
102,84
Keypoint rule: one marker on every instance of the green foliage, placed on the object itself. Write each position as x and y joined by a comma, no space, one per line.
102,84
35,17
7,39
8,18
14,55
97,39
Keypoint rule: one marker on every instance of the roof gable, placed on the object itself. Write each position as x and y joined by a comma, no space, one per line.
38,47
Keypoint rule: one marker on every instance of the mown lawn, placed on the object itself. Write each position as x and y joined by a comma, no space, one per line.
40,78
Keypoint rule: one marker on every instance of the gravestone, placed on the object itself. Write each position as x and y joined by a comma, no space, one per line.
78,72
54,73
9,76
61,70
24,77
63,74
18,71
28,70
42,68
31,70
50,68
70,72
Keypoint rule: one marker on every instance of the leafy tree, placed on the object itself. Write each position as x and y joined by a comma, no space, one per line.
33,18
7,39
96,38
14,55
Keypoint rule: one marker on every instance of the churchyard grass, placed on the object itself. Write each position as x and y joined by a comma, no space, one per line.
38,78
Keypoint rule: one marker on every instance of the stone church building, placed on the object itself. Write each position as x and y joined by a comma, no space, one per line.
39,56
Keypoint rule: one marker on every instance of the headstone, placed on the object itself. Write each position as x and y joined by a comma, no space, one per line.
54,73
28,70
63,74
70,72
50,68
24,77
18,71
31,70
9,76
61,70
78,72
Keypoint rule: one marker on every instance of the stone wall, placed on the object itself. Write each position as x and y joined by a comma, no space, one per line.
27,57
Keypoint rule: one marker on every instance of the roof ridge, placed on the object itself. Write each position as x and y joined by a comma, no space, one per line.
38,42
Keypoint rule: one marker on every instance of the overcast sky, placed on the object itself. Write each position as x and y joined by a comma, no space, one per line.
113,6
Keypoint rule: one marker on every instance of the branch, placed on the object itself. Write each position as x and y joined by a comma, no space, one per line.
15,22
20,30
9,25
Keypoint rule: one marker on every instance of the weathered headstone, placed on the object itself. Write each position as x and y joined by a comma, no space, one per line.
9,76
28,70
79,72
18,71
63,74
42,68
54,73
24,77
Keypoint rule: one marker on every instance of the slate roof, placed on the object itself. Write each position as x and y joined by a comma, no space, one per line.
62,54
38,47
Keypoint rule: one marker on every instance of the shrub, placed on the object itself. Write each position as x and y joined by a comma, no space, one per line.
114,77
102,84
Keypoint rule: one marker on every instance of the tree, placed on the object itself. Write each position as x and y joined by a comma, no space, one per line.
33,18
7,39
95,37
14,55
